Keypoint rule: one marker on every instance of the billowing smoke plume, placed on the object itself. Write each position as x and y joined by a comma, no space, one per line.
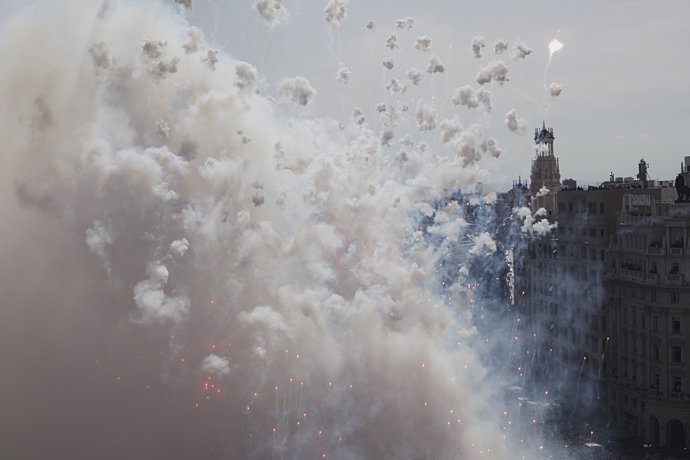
194,273
388,63
371,25
555,89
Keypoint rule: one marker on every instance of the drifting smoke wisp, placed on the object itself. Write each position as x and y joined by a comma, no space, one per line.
207,277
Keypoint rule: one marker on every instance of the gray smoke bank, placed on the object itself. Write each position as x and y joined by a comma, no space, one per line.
191,272
187,4
388,63
500,47
466,96
414,75
336,11
272,11
521,52
496,70
514,123
477,45
343,75
555,89
423,43
297,89
435,65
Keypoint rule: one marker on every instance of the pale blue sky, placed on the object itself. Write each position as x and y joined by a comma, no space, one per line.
624,70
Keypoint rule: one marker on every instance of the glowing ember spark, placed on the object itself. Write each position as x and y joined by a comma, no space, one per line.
554,46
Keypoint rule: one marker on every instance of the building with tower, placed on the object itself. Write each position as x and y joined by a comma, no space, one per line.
545,173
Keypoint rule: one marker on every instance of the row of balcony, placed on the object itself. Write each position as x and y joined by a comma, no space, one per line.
649,278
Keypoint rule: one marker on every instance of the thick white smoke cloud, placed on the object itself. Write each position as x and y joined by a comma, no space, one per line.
171,230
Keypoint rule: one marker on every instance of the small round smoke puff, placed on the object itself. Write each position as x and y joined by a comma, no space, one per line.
555,89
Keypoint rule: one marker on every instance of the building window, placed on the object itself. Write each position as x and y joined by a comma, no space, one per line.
655,351
675,297
655,381
676,354
655,323
675,325
652,296
677,384
601,210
